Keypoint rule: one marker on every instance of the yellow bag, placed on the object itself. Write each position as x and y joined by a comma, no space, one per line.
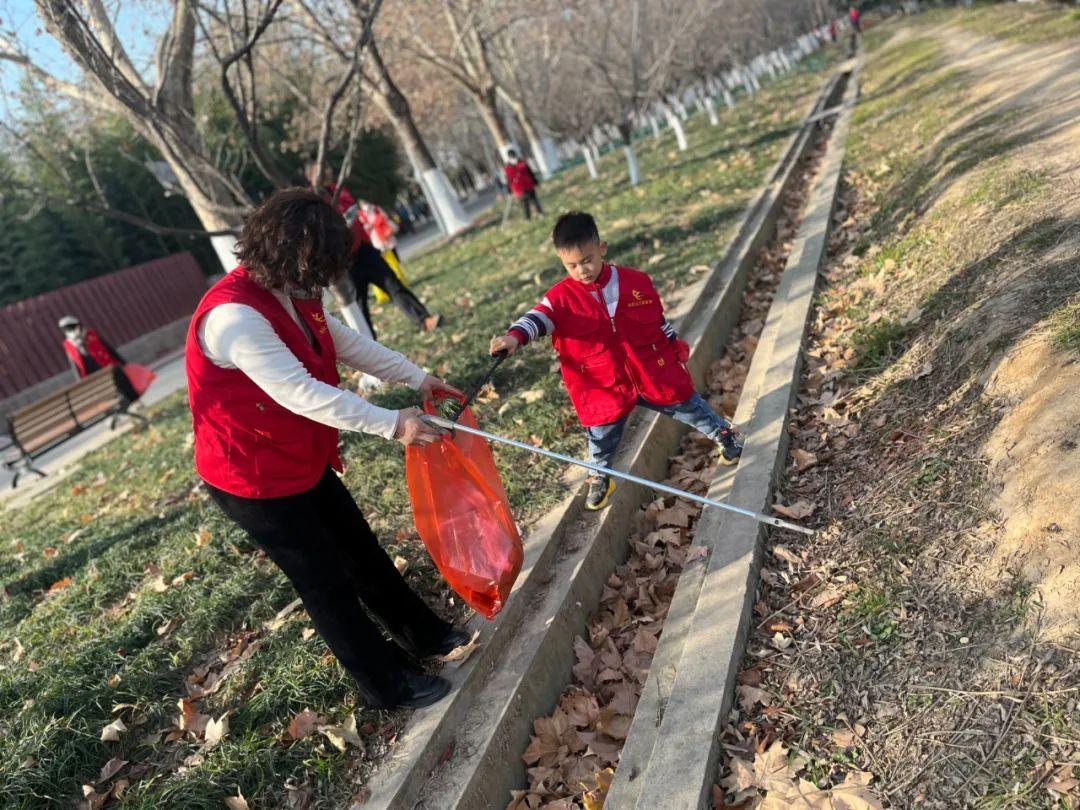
391,259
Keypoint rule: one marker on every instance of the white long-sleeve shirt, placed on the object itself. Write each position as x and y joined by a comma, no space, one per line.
236,336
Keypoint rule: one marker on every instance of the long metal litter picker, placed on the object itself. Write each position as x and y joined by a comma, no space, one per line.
447,424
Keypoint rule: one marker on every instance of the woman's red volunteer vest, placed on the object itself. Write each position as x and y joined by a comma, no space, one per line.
607,363
95,348
519,178
245,443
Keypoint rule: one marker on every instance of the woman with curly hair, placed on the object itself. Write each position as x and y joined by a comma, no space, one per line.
262,359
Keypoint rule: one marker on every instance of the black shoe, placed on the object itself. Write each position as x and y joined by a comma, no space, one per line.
447,644
600,489
419,690
730,447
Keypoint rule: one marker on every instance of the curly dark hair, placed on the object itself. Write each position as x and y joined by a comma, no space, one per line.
295,238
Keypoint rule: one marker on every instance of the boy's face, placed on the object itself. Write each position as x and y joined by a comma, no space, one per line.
584,262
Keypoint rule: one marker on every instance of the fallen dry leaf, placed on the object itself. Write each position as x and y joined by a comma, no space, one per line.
216,730
804,460
191,720
237,802
110,769
60,584
304,724
796,511
342,735
112,732
461,654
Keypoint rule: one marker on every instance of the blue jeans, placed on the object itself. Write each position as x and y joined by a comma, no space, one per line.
695,412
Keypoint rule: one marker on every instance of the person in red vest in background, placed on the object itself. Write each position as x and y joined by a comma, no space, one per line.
522,182
262,366
367,266
856,17
88,352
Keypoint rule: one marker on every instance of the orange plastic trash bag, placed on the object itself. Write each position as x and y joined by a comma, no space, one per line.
463,517
140,377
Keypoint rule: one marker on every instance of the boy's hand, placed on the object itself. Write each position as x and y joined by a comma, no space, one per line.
503,343
682,350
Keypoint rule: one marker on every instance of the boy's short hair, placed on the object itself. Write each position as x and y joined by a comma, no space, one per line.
295,239
574,229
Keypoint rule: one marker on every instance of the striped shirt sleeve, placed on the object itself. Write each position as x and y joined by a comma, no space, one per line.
534,324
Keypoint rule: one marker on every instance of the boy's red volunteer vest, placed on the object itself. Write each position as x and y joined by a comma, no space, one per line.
607,363
245,443
95,348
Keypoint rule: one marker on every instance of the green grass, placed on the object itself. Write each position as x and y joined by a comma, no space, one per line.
1065,327
68,657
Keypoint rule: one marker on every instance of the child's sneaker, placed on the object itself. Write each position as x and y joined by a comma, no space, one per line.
730,447
600,489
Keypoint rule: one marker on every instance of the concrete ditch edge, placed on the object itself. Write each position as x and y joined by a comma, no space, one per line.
682,765
709,310
643,730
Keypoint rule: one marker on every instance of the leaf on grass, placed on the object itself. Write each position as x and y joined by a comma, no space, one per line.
828,597
304,724
237,802
282,615
50,552
114,681
112,732
401,564
191,720
60,584
202,537
216,730
110,769
796,511
307,633
462,653
341,735
780,641
912,315
532,396
158,584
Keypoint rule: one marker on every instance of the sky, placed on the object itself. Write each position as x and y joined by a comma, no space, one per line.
139,23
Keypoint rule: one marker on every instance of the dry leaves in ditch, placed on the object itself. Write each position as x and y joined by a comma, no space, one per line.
771,782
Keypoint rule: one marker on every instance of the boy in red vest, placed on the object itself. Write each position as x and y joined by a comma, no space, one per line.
616,349
521,182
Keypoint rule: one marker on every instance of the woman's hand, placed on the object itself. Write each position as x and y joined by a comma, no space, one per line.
433,386
503,343
412,431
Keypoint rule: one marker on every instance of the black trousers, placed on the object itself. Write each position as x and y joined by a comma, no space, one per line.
529,197
368,267
321,541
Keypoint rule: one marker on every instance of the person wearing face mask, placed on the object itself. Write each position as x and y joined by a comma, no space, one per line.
262,366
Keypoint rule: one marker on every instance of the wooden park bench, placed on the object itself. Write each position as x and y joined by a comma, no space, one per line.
49,422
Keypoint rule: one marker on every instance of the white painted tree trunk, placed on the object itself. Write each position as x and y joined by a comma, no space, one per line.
655,124
536,150
676,124
444,202
225,248
632,165
551,153
728,100
710,107
590,162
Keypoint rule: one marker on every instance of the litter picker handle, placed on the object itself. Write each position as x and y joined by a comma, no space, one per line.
499,357
449,425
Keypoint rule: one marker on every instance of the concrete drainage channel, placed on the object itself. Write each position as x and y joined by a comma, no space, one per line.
467,750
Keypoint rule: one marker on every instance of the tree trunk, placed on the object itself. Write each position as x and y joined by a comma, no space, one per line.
590,164
710,107
625,132
546,160
676,124
485,100
445,205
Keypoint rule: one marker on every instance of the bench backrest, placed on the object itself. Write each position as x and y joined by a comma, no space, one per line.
65,412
